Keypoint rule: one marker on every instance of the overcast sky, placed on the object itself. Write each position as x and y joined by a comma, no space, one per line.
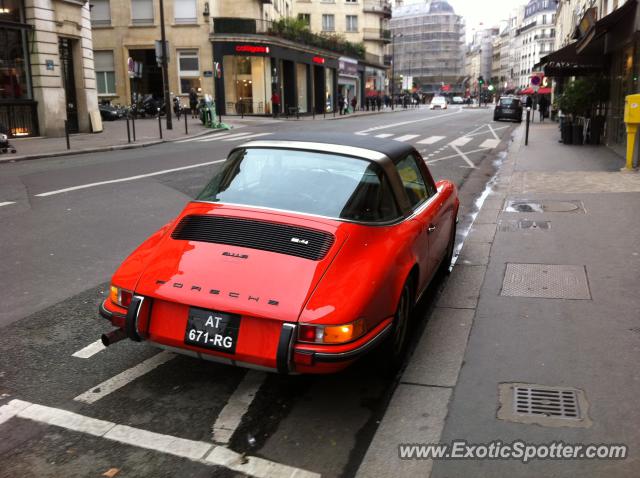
476,12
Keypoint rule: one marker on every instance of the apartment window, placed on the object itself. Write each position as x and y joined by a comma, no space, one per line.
351,1
188,70
184,11
105,72
142,12
100,12
544,19
305,17
352,23
328,23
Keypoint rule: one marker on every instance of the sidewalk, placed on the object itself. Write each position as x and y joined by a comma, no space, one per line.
543,301
113,137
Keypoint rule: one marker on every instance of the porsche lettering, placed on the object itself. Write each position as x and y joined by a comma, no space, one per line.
231,294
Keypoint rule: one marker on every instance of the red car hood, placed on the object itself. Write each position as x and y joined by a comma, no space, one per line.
236,279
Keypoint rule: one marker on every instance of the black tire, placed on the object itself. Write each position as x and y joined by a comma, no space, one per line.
445,265
495,118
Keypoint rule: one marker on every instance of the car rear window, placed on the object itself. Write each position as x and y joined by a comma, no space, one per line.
324,184
509,102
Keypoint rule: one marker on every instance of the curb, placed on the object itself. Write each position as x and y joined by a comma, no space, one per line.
100,149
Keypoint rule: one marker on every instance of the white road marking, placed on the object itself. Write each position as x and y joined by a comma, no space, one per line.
431,140
406,137
461,141
361,133
493,131
455,155
464,156
130,178
90,350
256,135
384,135
477,133
201,137
393,125
225,136
490,143
238,404
6,203
193,450
114,383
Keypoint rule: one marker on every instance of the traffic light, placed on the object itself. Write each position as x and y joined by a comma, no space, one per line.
480,80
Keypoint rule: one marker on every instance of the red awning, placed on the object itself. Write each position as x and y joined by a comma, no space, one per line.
541,91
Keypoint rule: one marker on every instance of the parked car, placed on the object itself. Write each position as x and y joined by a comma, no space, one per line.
109,113
438,102
508,107
457,100
301,254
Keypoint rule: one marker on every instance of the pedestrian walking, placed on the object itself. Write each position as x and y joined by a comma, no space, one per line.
193,102
379,102
543,105
275,103
354,103
340,104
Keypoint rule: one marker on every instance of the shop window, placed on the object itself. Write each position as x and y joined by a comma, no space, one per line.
247,84
11,11
305,17
105,72
188,70
184,11
14,82
352,23
142,12
100,13
328,23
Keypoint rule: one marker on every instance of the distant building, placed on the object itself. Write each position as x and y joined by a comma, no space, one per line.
479,59
429,45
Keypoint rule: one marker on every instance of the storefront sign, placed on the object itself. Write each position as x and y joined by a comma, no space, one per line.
207,74
49,64
318,59
348,68
252,49
587,22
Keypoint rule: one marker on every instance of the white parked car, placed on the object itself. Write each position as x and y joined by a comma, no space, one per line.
439,102
457,100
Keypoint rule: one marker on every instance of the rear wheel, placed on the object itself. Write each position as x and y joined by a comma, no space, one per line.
391,354
445,265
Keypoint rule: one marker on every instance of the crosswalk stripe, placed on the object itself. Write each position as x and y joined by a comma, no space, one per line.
224,136
490,143
460,141
256,135
383,135
431,140
406,137
200,138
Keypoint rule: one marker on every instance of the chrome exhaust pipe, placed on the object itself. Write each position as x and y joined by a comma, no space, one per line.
112,337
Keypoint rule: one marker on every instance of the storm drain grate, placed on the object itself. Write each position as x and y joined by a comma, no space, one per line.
524,225
543,405
547,402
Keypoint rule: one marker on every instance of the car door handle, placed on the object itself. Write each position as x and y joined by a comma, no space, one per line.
431,228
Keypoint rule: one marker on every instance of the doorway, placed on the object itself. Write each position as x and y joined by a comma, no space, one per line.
65,46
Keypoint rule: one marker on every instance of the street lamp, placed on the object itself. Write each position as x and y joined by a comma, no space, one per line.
165,72
393,68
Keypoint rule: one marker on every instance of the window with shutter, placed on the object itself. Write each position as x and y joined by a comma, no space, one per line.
142,12
184,11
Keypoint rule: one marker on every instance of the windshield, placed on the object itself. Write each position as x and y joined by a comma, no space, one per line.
508,102
301,181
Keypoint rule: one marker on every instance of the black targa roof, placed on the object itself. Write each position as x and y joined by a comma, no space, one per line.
390,148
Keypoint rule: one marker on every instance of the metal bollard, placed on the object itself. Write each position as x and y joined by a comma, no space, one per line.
526,135
314,111
159,123
66,133
133,126
128,131
186,129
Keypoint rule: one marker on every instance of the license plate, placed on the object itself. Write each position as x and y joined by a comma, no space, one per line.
212,330
507,111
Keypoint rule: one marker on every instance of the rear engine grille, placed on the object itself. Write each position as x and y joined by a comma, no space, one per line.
266,236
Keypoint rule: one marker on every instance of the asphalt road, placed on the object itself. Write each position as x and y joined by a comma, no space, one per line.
68,223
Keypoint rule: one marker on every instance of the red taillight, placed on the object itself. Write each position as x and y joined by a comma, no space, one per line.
125,297
307,333
303,358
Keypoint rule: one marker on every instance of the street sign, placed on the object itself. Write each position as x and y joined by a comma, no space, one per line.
159,51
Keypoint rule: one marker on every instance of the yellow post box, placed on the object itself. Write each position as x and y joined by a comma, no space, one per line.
632,120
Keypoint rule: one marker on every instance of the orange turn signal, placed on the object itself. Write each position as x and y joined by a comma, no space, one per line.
331,334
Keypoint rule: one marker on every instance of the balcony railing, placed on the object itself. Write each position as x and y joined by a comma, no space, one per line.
378,6
377,34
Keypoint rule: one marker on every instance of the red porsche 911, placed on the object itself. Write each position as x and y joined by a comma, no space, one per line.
299,256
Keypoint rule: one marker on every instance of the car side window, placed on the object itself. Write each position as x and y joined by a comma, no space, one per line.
412,180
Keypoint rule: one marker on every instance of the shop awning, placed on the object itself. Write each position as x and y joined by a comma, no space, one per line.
616,19
531,91
568,62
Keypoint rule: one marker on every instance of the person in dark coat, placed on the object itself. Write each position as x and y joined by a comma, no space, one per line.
543,105
193,103
340,104
354,103
379,102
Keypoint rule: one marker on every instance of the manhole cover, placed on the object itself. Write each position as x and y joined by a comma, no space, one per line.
547,281
543,405
533,205
524,225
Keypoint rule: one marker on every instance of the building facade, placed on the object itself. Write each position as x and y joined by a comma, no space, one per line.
479,60
429,45
47,68
365,22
